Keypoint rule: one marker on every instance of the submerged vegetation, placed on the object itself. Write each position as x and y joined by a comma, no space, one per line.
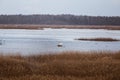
62,66
98,39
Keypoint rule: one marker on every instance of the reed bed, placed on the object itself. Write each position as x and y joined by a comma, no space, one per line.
98,39
61,66
37,27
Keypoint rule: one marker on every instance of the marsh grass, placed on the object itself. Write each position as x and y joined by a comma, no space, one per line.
62,66
98,39
41,27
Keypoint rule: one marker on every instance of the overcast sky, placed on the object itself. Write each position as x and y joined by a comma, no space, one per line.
77,7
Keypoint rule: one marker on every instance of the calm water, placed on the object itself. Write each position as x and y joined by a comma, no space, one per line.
43,41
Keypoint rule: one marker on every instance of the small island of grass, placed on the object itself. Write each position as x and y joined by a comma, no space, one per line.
98,39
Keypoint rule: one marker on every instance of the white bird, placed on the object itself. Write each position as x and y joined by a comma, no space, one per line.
60,44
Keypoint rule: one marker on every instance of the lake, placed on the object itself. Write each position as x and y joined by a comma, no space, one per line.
26,42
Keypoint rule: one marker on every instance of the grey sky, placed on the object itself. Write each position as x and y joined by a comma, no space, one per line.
77,7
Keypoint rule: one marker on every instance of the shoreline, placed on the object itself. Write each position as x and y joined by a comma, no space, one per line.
41,27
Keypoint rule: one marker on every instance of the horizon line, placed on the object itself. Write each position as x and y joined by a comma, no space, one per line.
61,14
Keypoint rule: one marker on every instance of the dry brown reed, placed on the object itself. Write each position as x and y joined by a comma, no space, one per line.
98,39
62,66
27,26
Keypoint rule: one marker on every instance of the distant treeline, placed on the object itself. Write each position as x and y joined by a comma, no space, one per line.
59,20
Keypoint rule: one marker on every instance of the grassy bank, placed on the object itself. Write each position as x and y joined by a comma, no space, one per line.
58,27
62,66
98,39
